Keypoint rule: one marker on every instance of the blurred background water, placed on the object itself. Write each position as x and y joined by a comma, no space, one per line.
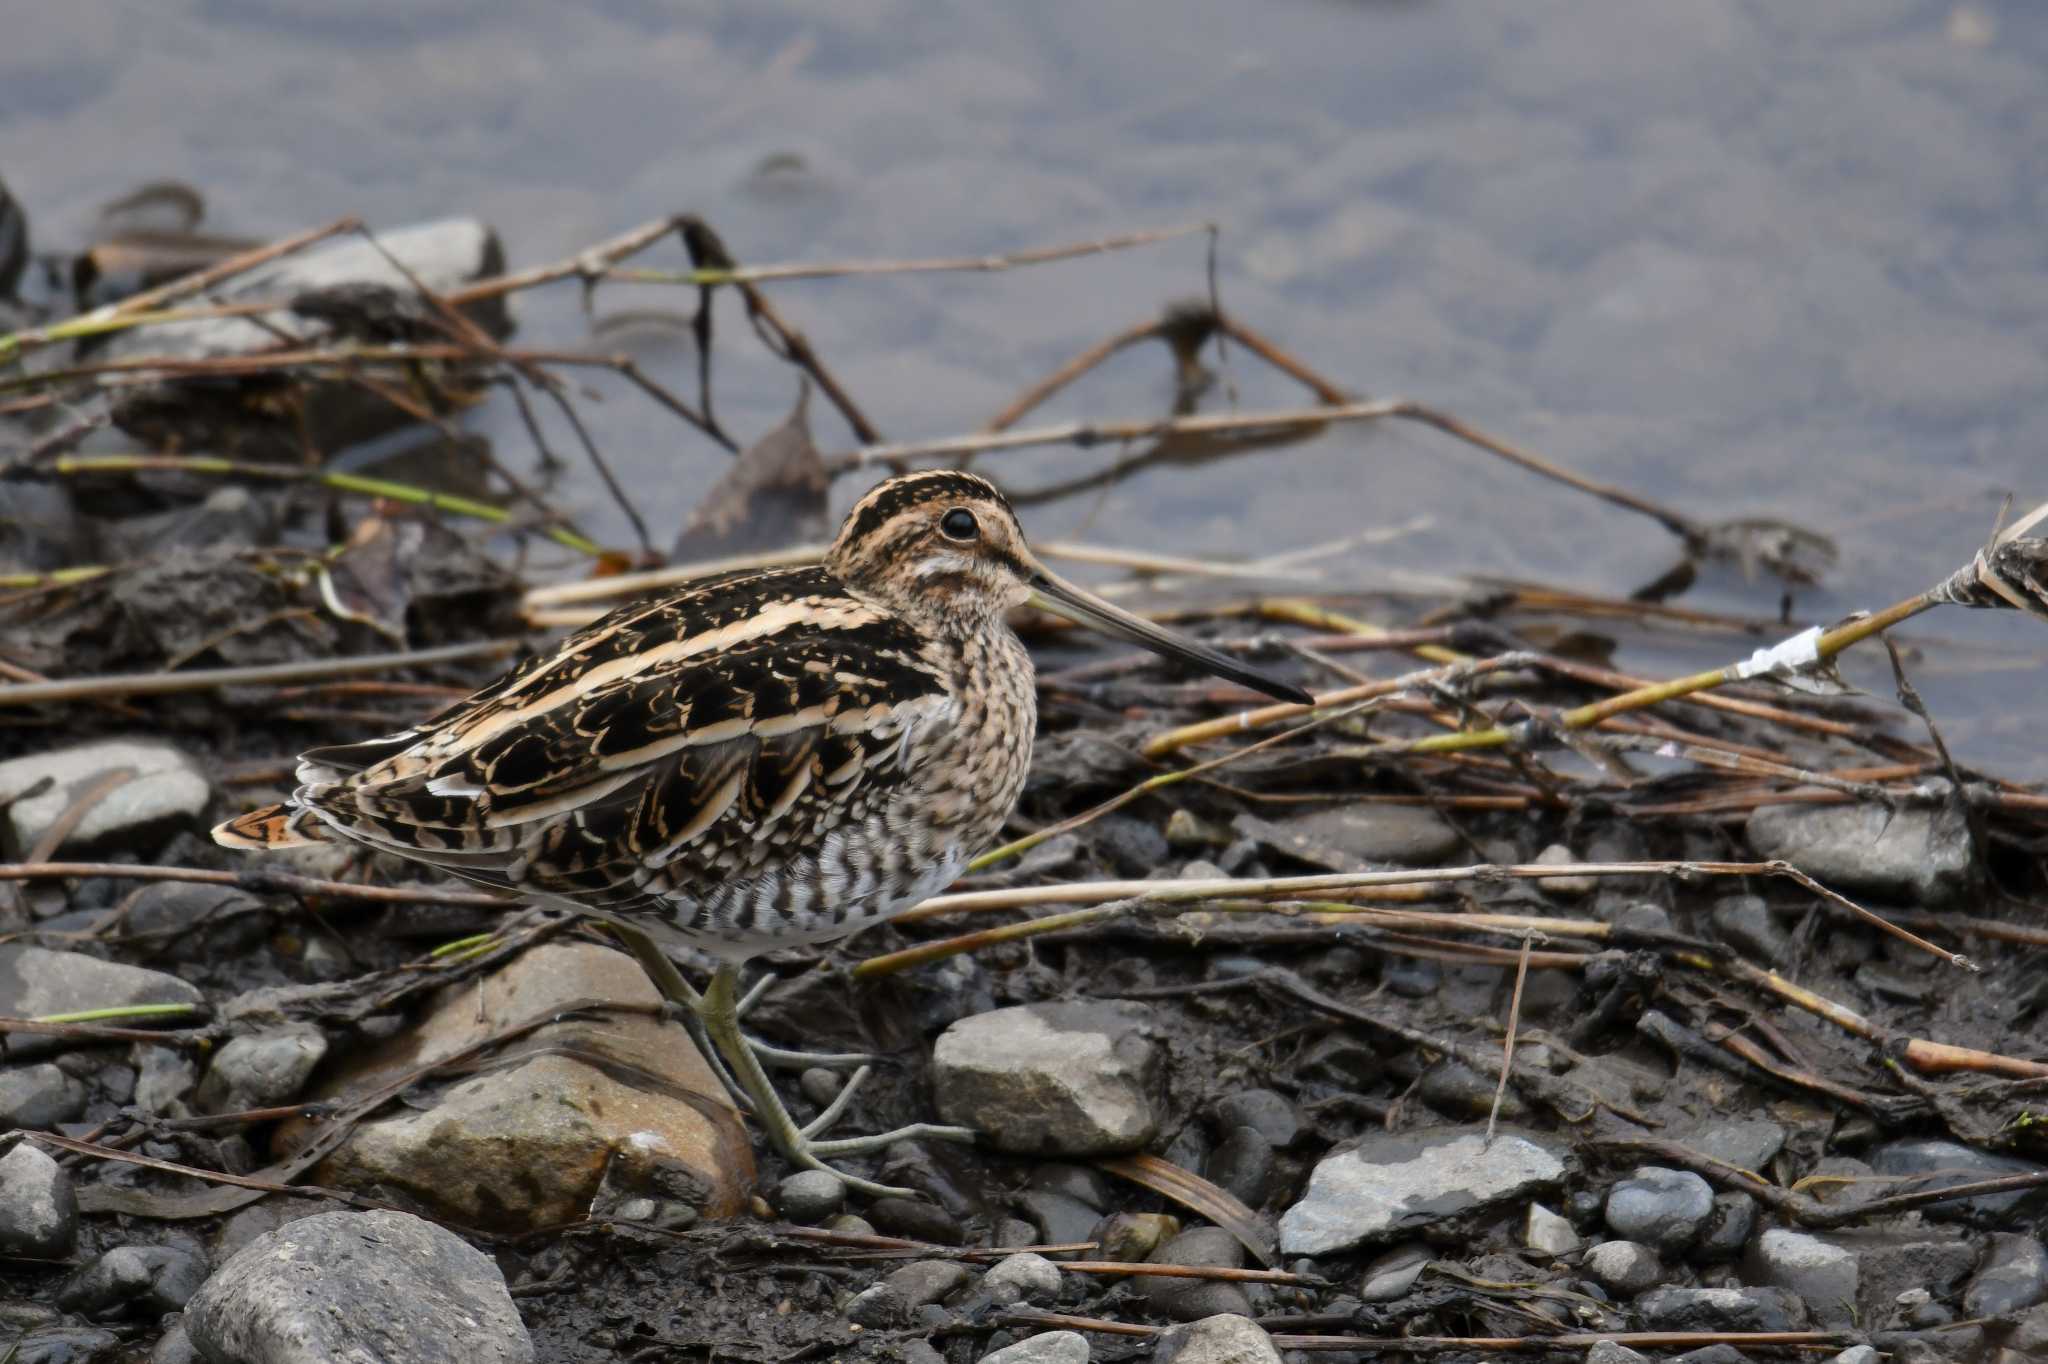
1753,259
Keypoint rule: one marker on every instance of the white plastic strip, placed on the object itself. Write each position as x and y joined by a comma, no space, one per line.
1786,656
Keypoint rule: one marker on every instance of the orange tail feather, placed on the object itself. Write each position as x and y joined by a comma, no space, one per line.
273,826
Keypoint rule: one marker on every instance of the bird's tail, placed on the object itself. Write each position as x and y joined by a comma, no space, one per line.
273,826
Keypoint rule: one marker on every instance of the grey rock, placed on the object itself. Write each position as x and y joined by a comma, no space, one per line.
916,1220
892,1301
1059,1078
1920,854
1547,1232
1132,1235
1712,1354
1856,1354
1960,1164
1624,1267
1394,1184
1564,887
1271,1113
261,1070
1243,1164
1022,1278
38,1097
1129,843
1048,1347
1750,1143
1611,1352
1640,916
1457,1091
164,1079
437,1299
182,921
167,788
1194,1299
1821,1274
1392,1273
141,1282
1353,837
1221,1339
485,1152
441,254
1083,1182
1744,922
2029,1336
62,1345
1663,1208
2014,1277
38,1206
1060,1218
36,981
175,1347
810,1196
1728,1230
1721,1309
1916,1262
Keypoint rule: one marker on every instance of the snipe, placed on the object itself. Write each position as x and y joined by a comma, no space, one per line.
747,762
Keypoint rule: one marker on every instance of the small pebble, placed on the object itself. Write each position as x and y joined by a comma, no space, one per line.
819,1086
1269,1112
1130,1236
1079,1182
810,1196
1664,1209
1564,887
38,1206
37,1097
1049,1347
140,1282
1243,1164
1394,1272
1221,1339
915,1219
1022,1278
895,1300
1193,1299
1623,1267
1728,1228
1547,1233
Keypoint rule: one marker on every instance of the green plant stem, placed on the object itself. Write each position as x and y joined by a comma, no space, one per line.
340,482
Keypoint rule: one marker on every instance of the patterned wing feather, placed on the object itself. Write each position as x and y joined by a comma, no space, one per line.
712,735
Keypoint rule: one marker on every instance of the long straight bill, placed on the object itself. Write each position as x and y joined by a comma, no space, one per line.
1055,594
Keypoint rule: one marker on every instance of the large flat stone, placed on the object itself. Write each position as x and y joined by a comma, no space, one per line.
1920,855
166,788
1357,837
443,255
1393,1184
358,1288
530,1143
35,981
1052,1079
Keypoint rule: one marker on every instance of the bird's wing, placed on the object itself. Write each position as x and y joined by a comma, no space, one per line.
728,727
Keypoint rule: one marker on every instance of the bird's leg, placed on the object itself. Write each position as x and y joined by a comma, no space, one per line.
686,1002
782,1057
721,1020
713,1020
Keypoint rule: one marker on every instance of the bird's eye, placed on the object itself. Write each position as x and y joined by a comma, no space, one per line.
959,524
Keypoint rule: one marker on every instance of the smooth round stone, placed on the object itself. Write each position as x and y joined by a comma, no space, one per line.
810,1196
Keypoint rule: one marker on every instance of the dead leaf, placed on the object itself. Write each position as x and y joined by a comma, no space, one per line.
774,494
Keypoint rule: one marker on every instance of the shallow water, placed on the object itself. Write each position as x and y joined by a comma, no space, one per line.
1750,259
